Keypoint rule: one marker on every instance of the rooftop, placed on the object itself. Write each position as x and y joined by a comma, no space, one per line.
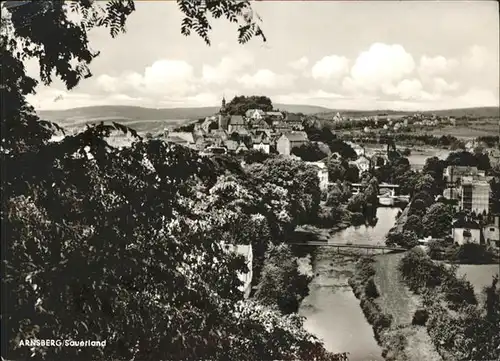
296,136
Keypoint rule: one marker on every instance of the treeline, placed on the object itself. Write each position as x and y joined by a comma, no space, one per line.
460,327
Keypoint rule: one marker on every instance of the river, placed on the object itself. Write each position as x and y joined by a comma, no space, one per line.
331,310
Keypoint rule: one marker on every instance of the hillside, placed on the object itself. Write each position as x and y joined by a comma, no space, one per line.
133,113
481,112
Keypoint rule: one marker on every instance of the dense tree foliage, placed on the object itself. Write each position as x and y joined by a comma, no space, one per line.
311,151
406,239
463,158
240,104
281,283
437,220
129,245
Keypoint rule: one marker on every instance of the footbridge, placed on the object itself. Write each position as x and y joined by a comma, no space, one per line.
355,246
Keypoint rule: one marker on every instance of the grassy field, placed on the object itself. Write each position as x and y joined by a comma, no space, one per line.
467,132
396,299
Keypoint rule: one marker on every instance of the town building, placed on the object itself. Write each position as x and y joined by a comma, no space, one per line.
275,115
223,116
337,118
322,174
294,121
475,195
491,231
241,148
281,127
261,142
454,173
255,114
185,139
236,123
363,163
466,231
287,141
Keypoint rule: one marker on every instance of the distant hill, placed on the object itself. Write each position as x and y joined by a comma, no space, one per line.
134,114
480,112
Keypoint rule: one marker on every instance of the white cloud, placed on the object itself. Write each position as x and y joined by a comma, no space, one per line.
380,66
163,77
227,68
299,64
477,58
306,97
409,89
442,86
265,78
171,76
330,67
432,66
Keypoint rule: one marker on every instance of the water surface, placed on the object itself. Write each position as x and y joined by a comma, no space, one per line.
331,310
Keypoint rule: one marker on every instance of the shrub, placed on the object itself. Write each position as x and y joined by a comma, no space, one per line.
459,292
371,289
473,253
406,239
357,218
420,317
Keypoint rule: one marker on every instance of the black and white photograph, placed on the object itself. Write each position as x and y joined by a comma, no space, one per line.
250,180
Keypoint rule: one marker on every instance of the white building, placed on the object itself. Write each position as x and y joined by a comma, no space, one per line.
475,194
262,146
255,114
363,164
466,231
491,232
322,174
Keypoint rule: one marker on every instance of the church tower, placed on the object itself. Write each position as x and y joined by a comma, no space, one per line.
223,114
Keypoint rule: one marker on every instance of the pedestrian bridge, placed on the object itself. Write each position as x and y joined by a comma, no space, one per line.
346,245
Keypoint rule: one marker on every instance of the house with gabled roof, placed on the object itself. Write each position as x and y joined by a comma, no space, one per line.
241,148
236,122
275,115
287,141
466,230
261,142
187,136
363,163
294,121
255,114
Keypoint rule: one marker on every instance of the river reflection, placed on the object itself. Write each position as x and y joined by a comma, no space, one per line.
366,234
331,310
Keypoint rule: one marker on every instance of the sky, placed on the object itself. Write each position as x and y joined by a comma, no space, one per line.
401,55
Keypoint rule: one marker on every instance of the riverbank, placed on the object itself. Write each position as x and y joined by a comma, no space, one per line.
331,310
461,328
390,307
